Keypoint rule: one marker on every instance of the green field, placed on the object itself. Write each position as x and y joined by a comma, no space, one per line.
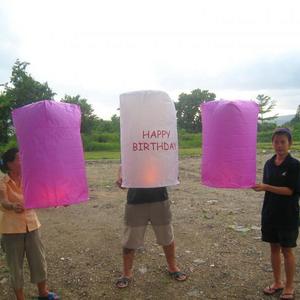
184,152
268,146
95,155
189,152
107,145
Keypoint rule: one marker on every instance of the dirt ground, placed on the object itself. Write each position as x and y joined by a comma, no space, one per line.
217,236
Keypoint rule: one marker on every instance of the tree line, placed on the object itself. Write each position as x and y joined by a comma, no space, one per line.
23,89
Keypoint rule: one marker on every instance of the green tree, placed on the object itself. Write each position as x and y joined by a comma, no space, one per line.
88,118
115,123
23,89
266,105
107,126
268,126
188,112
5,119
296,119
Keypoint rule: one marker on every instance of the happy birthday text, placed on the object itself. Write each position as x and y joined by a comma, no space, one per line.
152,145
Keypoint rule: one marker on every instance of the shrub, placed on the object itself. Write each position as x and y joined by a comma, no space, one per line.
189,140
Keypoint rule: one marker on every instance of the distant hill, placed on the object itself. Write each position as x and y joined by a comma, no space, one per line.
283,119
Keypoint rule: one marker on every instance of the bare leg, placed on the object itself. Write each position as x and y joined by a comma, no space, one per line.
276,265
171,260
290,266
170,257
128,256
43,289
19,294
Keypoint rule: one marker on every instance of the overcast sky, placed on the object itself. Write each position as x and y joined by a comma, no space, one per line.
99,49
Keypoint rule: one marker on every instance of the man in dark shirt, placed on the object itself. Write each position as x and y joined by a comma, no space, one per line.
280,212
144,206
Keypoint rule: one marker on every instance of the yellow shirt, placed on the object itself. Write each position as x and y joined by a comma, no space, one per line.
12,222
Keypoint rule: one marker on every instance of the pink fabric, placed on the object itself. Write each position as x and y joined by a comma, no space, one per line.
53,167
229,143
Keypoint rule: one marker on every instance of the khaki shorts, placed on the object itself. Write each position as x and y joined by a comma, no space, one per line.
30,244
137,218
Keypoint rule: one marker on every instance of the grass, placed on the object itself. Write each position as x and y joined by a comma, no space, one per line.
95,155
268,146
190,152
183,152
107,146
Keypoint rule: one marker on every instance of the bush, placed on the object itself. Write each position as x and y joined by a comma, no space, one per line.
262,127
108,142
106,137
11,144
296,132
95,146
189,140
264,137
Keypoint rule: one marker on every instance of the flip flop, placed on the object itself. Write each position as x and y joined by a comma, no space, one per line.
50,296
288,296
269,290
123,282
178,275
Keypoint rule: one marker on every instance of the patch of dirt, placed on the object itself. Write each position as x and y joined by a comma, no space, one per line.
217,233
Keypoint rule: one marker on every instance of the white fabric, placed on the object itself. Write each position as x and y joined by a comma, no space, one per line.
149,142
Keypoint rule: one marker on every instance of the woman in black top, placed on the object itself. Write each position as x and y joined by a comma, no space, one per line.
280,212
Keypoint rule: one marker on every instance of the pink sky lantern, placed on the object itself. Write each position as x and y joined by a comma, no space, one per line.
53,167
149,143
229,130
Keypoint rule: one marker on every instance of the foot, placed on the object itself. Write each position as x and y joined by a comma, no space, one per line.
178,275
43,293
272,289
49,296
123,282
288,294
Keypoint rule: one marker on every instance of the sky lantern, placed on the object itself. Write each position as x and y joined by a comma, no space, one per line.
51,152
149,142
229,130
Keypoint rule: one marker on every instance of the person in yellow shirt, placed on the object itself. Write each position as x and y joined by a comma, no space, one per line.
20,230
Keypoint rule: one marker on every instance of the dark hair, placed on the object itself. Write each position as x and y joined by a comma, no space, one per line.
6,157
282,131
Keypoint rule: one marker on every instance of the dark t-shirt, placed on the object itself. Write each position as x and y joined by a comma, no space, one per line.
279,211
146,195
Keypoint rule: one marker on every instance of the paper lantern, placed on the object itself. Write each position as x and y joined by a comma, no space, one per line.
149,143
53,167
229,130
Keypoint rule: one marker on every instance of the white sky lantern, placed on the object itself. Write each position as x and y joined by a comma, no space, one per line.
149,142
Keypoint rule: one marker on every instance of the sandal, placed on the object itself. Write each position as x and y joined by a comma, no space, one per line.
178,275
288,296
50,296
123,282
269,290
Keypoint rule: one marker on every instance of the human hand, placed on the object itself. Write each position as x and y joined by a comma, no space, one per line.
259,187
65,205
119,183
18,208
